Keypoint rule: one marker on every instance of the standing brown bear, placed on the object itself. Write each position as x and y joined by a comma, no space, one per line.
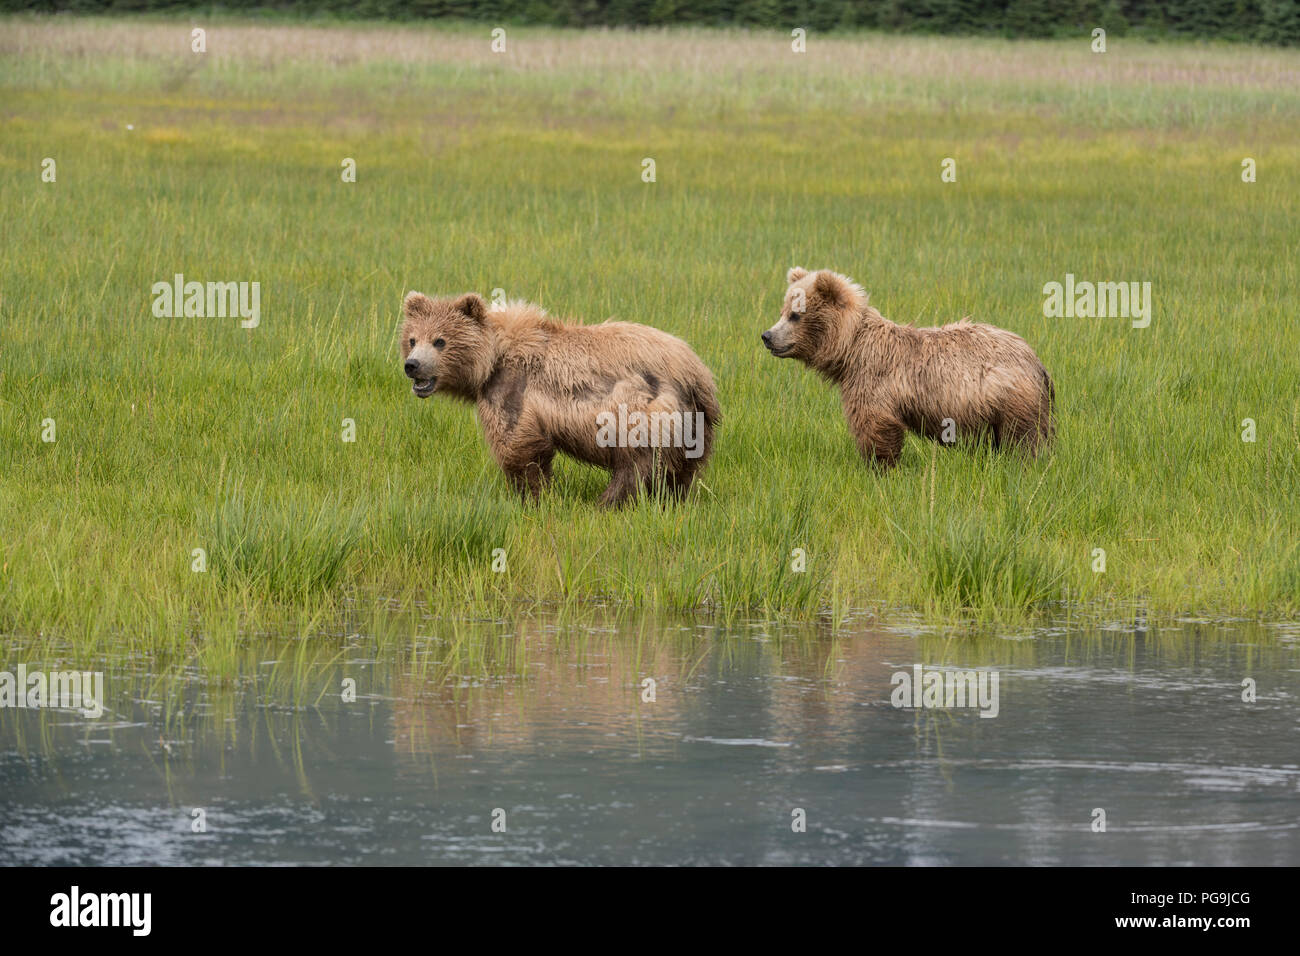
625,397
961,379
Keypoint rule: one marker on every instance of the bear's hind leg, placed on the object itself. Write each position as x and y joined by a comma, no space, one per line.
678,478
1030,432
623,486
678,483
684,468
1025,418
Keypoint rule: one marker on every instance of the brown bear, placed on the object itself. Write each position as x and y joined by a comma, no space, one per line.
625,397
961,379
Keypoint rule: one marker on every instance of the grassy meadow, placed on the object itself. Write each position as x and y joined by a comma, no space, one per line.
522,171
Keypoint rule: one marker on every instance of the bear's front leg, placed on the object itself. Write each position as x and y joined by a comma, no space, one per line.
879,438
530,479
527,466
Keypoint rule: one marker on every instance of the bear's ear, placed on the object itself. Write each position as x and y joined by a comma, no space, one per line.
831,288
472,305
795,274
415,304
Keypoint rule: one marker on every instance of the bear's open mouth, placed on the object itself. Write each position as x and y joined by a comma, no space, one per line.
423,387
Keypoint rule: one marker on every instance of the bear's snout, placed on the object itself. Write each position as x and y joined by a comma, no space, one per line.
777,341
421,369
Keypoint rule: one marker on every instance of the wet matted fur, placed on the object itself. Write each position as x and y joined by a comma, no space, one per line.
540,385
895,378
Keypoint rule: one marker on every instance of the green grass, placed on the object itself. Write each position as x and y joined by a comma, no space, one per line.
522,172
988,557
282,549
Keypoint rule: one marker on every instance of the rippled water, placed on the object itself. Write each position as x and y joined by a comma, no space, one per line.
547,727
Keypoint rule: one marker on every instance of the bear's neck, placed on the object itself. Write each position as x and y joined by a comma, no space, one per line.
857,348
487,358
504,348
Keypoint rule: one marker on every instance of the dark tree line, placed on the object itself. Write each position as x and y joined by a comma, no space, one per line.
1268,21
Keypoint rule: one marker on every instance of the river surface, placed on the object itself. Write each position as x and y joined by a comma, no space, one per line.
546,744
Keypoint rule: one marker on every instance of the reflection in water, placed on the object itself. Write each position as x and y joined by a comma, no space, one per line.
552,724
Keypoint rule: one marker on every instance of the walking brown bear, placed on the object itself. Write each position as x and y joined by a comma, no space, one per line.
960,379
625,397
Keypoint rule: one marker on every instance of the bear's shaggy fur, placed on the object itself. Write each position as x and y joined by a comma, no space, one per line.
895,378
541,386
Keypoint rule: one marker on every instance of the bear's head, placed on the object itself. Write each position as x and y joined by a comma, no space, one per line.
818,307
446,345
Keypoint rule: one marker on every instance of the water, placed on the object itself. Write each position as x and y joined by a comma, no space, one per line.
748,725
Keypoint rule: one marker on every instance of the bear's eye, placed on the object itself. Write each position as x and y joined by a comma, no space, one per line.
438,343
412,343
795,316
